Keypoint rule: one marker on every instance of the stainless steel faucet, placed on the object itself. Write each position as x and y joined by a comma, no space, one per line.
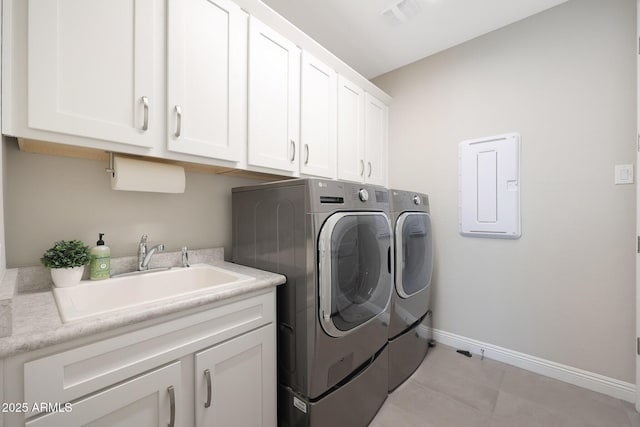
185,257
144,255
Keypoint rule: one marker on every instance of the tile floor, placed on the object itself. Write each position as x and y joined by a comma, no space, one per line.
451,390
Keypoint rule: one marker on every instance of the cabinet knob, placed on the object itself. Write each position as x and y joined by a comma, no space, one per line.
369,175
306,160
361,167
293,150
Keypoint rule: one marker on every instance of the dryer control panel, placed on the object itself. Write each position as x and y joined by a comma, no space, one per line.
328,196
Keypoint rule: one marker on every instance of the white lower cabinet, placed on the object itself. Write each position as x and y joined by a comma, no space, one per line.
148,400
1,389
234,381
158,375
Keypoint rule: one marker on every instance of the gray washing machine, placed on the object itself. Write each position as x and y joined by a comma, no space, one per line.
333,242
410,324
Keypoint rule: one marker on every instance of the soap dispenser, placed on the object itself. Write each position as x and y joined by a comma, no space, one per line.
100,263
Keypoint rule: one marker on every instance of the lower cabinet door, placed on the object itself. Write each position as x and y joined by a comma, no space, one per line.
149,399
236,381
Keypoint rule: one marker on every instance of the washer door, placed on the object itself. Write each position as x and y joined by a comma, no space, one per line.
414,253
354,270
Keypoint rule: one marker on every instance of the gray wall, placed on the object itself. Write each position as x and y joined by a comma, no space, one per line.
49,198
566,80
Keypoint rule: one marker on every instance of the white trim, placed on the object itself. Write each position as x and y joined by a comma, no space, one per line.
581,378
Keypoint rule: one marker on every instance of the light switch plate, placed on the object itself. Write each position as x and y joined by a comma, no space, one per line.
623,174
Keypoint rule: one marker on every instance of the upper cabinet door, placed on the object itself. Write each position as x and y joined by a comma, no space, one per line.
206,78
351,166
91,68
318,118
274,99
375,137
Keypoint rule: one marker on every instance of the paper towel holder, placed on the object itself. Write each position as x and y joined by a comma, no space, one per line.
110,169
128,174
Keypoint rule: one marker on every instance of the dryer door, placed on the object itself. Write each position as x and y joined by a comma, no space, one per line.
414,253
355,270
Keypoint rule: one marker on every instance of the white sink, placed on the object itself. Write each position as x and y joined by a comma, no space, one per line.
91,298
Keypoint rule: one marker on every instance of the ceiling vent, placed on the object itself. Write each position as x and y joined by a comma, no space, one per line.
401,11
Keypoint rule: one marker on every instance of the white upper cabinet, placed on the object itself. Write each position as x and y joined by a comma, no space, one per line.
350,131
362,135
274,99
318,118
91,69
206,78
200,81
375,137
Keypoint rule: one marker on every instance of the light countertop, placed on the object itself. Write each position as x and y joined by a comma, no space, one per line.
36,323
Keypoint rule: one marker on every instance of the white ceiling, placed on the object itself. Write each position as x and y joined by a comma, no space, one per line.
357,32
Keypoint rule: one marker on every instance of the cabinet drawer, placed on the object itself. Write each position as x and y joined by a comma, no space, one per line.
68,375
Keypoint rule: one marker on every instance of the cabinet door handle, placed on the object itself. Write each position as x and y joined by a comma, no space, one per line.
145,107
172,404
293,148
369,176
361,167
207,377
306,160
178,121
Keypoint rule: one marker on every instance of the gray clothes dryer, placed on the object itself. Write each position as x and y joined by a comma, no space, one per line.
333,242
410,323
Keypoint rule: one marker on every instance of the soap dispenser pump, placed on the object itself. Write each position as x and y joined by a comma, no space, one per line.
100,263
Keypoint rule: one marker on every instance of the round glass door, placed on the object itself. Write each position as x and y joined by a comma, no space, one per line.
414,257
355,270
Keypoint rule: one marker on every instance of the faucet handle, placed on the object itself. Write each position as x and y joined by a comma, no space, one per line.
143,239
185,257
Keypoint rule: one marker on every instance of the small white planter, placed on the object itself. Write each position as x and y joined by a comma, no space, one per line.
63,277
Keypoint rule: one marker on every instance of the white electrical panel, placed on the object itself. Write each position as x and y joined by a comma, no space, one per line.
489,187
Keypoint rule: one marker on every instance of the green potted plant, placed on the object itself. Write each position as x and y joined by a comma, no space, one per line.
66,260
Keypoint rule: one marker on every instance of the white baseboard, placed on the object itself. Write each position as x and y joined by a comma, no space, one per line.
585,379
